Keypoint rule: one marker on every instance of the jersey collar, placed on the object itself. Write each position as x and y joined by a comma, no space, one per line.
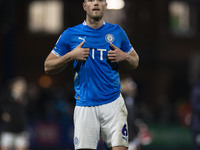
85,24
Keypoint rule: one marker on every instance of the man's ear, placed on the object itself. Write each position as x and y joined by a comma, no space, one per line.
106,6
84,6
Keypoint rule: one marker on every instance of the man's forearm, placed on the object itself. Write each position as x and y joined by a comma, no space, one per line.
58,64
132,61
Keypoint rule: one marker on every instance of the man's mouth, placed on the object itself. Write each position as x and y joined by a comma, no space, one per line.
95,9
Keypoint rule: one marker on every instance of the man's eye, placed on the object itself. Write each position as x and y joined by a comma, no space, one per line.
93,0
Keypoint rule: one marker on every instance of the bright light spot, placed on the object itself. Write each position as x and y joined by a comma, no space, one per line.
115,4
180,16
46,16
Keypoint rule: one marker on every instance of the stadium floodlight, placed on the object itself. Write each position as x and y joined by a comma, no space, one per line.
115,4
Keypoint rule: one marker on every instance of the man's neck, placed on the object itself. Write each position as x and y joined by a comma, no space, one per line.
94,23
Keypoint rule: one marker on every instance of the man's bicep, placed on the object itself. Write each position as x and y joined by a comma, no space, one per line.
51,56
133,53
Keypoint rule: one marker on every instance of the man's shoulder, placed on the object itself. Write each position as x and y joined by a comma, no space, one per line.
113,26
77,26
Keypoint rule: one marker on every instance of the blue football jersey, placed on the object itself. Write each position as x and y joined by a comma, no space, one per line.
96,80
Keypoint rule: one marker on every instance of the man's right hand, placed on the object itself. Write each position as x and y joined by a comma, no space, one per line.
80,53
54,64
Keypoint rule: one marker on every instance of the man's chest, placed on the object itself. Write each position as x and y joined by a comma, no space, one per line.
95,40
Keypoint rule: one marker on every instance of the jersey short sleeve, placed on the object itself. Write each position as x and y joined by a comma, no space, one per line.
62,45
126,45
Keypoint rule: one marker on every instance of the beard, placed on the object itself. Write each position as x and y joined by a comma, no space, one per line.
95,16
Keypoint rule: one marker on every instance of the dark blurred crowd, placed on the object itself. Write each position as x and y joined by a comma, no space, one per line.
195,117
41,117
34,116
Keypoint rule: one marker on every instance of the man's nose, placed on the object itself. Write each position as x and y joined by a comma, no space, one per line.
96,2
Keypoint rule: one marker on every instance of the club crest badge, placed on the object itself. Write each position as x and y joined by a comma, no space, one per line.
110,38
76,142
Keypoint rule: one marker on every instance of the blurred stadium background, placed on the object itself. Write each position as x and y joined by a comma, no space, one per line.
165,34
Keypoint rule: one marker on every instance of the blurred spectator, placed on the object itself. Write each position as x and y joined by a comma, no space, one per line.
195,121
138,130
13,116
